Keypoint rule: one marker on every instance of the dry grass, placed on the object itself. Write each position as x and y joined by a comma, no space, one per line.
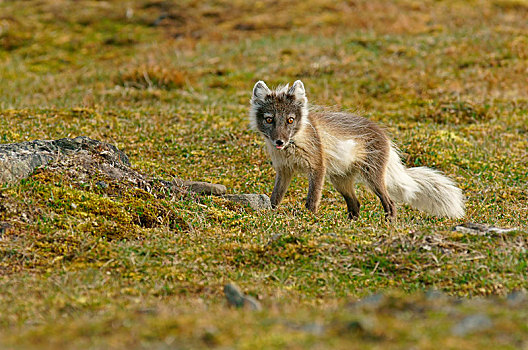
151,76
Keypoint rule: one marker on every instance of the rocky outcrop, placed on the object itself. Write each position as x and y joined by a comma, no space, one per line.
82,157
19,160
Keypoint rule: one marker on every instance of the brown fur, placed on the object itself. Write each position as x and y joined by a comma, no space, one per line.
345,148
370,166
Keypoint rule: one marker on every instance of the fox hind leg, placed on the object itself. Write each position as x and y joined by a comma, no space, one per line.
377,185
345,186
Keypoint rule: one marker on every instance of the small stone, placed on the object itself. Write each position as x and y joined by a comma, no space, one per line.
472,324
210,336
254,201
434,294
205,188
237,299
481,229
314,328
147,310
500,231
372,301
364,325
354,326
516,298
471,228
233,295
252,303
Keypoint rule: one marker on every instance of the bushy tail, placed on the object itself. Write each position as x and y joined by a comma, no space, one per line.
423,188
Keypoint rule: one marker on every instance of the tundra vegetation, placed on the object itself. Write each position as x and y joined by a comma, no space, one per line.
84,265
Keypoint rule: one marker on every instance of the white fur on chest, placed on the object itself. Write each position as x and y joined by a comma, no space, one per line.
340,155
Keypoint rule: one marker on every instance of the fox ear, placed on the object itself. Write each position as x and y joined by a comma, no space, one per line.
297,90
260,90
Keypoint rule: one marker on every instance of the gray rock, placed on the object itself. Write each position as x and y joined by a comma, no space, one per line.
516,298
254,201
237,299
481,229
472,324
252,303
372,301
19,160
83,157
205,188
314,328
434,294
233,295
354,326
364,325
147,310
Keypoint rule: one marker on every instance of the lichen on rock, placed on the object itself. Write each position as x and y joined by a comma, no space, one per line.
19,160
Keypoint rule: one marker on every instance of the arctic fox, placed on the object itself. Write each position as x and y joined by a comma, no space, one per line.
345,148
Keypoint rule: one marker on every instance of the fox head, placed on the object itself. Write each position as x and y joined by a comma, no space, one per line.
280,114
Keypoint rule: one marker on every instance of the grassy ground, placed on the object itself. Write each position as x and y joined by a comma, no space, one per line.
169,83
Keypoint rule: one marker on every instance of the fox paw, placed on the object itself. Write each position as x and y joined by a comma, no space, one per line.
312,207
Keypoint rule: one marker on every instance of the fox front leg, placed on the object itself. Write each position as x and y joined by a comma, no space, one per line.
282,181
316,181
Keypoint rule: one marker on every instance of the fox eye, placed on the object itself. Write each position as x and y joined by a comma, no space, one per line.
269,120
290,120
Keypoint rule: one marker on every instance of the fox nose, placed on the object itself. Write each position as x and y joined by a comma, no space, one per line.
279,143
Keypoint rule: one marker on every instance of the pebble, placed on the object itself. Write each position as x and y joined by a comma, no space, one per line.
516,298
207,188
371,302
237,299
254,201
472,324
481,229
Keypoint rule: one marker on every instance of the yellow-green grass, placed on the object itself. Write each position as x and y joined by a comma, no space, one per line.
116,267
